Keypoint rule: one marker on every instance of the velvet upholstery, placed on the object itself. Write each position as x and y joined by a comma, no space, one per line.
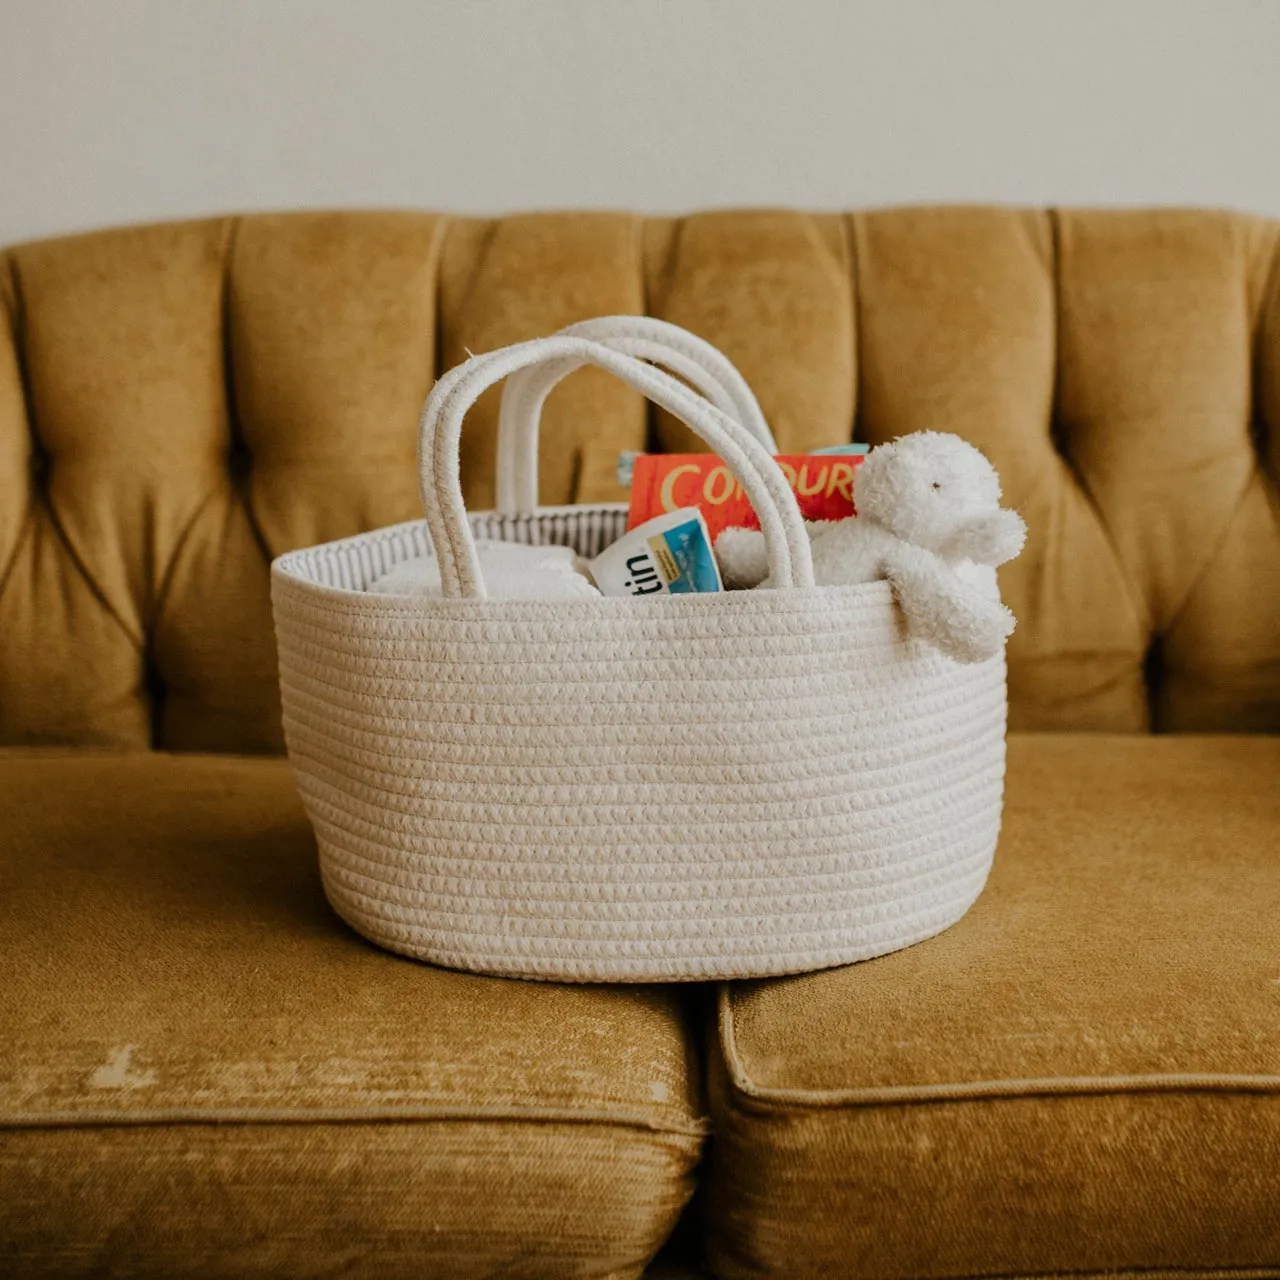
179,403
1081,1077
203,1073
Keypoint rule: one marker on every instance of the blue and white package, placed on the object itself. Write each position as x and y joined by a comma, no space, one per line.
670,553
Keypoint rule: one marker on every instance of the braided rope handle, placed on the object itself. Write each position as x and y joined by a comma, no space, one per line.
439,479
706,368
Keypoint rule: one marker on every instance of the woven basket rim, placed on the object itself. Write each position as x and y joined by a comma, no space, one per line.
296,569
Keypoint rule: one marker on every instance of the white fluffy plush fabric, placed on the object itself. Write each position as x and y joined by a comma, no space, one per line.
929,520
512,571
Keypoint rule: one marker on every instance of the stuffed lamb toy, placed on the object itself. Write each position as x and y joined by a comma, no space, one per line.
930,522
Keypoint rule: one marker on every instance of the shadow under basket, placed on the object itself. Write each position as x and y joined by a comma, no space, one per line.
677,787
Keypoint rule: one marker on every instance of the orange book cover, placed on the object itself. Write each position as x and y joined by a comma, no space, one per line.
822,483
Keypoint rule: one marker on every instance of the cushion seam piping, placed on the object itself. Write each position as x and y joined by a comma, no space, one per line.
975,1090
1245,1271
108,1118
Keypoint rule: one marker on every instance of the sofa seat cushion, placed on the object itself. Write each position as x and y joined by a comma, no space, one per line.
1082,1076
204,1073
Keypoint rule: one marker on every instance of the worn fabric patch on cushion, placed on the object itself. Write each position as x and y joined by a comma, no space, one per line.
203,1072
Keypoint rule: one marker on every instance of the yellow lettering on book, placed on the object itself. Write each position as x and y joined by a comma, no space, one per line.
841,481
667,494
724,477
803,487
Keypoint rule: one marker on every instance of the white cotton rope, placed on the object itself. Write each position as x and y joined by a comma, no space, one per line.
710,786
707,369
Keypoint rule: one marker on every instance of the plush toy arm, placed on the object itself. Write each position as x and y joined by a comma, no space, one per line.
992,538
956,618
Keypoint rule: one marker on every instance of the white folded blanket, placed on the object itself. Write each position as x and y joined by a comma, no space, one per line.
511,571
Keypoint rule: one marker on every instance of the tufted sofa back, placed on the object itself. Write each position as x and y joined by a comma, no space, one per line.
180,403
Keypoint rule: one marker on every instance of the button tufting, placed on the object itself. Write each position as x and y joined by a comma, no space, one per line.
1260,442
40,466
239,460
1060,439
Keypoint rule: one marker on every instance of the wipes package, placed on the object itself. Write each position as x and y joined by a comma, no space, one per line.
512,571
671,553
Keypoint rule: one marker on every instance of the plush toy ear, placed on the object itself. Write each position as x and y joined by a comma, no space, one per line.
869,469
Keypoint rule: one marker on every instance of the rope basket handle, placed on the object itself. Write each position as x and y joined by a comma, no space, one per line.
706,368
439,479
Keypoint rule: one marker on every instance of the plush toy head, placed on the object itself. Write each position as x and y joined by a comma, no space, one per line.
926,487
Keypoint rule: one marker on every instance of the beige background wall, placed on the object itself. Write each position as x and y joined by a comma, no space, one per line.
118,110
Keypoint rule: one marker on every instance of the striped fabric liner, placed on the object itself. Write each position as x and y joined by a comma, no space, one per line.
353,563
587,529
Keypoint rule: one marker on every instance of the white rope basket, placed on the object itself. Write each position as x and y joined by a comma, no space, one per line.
676,787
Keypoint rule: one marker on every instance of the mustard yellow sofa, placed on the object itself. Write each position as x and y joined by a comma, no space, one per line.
203,1073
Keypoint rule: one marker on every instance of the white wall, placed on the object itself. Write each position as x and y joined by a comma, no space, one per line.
121,110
